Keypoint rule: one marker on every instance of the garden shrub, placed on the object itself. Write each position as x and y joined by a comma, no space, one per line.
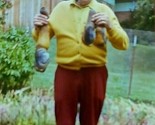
16,59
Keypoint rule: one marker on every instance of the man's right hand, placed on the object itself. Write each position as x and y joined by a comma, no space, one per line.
40,20
41,55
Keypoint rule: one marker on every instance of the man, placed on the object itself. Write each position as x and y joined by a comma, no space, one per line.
81,75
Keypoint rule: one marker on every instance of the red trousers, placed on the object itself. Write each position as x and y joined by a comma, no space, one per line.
86,87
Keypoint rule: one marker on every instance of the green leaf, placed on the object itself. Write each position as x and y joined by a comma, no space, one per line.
17,50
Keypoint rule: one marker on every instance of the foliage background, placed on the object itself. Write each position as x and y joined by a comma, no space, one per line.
16,59
143,17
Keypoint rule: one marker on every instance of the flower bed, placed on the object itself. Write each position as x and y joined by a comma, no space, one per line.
120,111
37,108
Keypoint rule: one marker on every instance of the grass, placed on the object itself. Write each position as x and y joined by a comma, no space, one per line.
44,80
141,87
119,66
141,76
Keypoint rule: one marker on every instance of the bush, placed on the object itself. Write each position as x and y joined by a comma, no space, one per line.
142,18
16,59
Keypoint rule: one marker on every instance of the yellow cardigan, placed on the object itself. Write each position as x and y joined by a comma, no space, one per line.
67,22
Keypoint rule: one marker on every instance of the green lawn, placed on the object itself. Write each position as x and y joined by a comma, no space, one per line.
44,80
141,78
142,87
119,65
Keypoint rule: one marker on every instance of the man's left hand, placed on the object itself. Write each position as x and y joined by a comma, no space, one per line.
101,20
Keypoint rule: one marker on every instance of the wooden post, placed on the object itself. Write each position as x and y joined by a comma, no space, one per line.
132,64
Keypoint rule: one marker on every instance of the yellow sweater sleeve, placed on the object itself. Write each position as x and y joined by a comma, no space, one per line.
35,32
42,36
116,35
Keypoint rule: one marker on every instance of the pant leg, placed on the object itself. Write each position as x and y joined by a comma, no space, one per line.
66,96
92,96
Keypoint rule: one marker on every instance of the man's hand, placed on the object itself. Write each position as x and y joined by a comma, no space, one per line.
40,20
101,20
41,55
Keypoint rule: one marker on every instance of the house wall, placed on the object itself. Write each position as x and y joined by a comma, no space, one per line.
112,2
124,6
123,16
